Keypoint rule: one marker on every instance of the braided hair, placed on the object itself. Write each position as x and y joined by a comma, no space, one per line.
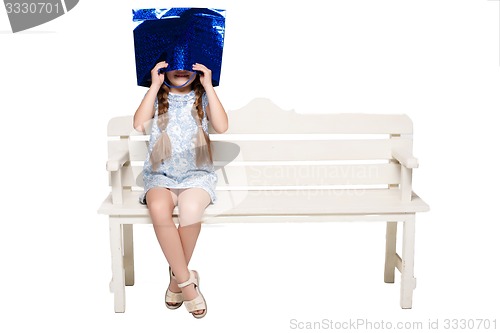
162,150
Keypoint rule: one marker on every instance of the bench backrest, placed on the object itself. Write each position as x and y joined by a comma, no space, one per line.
269,148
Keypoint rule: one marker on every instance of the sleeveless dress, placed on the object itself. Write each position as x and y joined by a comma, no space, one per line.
180,171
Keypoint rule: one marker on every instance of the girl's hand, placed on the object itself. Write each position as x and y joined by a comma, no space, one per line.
158,79
205,77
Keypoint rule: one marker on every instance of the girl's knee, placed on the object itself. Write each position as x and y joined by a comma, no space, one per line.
191,212
192,205
158,206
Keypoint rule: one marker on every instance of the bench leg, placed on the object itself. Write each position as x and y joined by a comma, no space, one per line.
390,252
408,281
128,253
117,284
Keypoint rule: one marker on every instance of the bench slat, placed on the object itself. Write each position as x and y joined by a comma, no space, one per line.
314,202
288,203
261,116
291,175
310,175
313,150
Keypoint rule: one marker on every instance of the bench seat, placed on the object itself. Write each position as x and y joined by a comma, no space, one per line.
287,202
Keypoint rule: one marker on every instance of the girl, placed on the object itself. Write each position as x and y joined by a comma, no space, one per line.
179,170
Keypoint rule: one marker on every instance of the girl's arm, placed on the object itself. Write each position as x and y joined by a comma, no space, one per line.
215,110
146,110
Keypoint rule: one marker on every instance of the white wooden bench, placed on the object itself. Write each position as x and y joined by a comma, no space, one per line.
280,166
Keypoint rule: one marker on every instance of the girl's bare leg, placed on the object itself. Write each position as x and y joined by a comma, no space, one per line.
161,204
189,236
192,203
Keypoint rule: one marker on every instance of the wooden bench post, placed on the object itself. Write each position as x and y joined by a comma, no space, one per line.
408,281
117,284
390,251
128,253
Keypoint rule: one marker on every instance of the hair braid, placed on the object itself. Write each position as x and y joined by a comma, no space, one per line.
202,146
162,149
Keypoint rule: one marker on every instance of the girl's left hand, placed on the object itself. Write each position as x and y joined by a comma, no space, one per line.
206,76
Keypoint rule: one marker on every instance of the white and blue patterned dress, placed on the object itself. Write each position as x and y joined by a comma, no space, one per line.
180,171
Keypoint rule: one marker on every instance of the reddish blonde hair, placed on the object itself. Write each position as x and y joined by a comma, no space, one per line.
162,150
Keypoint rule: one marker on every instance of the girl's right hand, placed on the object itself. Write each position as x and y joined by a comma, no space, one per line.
158,79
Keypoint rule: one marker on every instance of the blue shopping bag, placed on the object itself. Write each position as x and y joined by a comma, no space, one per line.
179,36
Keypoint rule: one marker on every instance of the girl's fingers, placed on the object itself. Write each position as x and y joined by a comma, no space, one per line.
161,64
200,67
156,76
158,66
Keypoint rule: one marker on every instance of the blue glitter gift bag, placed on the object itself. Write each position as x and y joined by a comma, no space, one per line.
179,36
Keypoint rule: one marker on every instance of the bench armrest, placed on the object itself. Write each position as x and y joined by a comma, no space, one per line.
116,161
405,158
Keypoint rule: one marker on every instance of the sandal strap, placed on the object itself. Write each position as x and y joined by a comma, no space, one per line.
172,297
196,304
192,279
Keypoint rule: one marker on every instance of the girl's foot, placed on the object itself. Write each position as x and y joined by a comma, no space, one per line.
173,296
187,293
193,299
173,287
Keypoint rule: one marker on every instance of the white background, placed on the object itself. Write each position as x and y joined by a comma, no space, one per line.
436,60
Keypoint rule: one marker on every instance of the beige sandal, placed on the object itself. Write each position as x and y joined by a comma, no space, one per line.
197,303
171,297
